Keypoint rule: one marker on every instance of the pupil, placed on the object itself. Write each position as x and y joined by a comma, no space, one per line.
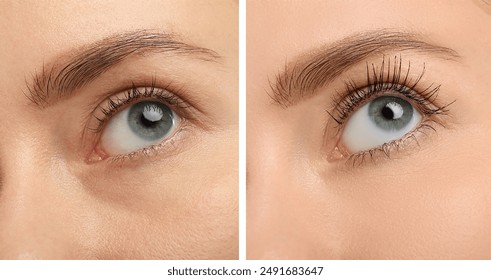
146,122
387,113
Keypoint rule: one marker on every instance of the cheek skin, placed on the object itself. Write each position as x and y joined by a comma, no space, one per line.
283,188
180,231
168,215
427,211
410,208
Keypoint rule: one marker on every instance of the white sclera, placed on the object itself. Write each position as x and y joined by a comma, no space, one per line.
362,134
118,138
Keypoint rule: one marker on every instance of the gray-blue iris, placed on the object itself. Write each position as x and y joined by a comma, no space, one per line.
390,113
150,120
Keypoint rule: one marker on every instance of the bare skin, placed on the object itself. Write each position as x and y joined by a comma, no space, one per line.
62,196
430,199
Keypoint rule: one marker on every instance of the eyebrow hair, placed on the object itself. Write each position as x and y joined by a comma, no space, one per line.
90,61
315,69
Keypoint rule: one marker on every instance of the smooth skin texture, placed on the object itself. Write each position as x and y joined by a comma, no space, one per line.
426,202
176,203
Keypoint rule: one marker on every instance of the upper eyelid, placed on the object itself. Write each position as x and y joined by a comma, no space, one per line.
300,78
386,77
131,96
181,88
383,77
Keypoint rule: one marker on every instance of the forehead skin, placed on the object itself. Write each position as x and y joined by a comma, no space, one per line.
39,31
52,205
433,203
314,23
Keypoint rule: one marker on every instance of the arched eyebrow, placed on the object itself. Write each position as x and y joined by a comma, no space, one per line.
75,69
312,70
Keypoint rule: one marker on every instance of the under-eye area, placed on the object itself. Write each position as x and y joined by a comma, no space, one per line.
137,121
391,109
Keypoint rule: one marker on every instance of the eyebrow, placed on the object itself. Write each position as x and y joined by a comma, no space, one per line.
83,65
300,78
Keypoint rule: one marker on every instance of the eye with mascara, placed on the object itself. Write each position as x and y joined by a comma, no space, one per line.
388,112
137,121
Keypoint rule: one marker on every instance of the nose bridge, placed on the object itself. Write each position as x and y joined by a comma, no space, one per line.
31,208
275,202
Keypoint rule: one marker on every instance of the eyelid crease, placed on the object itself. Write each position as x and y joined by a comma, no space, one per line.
300,78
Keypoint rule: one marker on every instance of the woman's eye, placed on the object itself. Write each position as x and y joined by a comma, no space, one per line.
141,125
382,120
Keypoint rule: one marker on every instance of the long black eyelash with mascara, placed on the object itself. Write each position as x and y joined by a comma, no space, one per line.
387,79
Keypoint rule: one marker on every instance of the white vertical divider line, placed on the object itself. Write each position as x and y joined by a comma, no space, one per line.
242,129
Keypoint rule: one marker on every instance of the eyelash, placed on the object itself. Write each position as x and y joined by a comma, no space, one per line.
116,103
377,83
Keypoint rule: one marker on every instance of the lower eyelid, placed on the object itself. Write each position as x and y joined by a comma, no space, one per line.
126,133
407,145
169,147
